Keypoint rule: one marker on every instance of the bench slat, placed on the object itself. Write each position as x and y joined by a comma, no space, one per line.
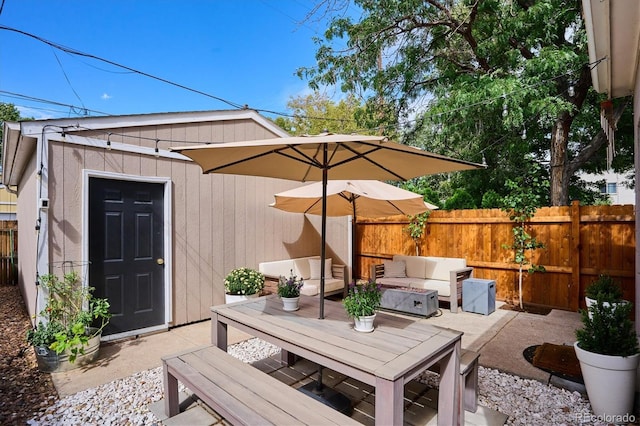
275,394
223,403
245,395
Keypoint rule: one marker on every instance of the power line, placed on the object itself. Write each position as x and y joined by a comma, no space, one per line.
107,61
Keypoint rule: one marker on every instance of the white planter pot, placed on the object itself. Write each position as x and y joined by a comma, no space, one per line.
232,298
590,302
610,381
290,304
364,324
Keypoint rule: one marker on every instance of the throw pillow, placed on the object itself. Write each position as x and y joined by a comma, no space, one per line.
314,266
395,269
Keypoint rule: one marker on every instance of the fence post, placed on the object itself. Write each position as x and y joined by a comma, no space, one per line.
574,285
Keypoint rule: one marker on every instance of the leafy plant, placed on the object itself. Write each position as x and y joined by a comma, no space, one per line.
243,281
69,314
290,287
416,227
604,289
363,298
521,204
608,330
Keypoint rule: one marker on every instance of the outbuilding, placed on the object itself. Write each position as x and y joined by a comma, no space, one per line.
144,225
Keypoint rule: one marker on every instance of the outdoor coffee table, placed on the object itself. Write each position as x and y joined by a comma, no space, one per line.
399,349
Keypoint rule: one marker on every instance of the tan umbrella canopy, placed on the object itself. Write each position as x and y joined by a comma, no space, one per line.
320,158
358,198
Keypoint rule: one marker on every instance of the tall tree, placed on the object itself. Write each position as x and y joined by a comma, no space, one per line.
316,113
500,79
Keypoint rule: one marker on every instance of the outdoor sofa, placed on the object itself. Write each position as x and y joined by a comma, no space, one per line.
443,274
308,268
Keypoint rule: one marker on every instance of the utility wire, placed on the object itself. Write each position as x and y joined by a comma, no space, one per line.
115,64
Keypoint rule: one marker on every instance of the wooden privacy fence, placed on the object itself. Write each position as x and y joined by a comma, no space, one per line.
8,252
581,242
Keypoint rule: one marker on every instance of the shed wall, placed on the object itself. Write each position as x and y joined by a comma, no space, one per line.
219,221
28,237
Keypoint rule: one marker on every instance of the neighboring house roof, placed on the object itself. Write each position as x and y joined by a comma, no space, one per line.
20,138
613,31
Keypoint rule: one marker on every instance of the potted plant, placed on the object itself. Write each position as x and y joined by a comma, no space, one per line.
242,283
607,348
71,326
362,302
289,291
603,288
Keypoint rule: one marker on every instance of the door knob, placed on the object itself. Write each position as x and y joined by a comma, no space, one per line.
160,261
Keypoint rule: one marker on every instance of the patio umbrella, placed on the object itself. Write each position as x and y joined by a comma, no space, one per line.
358,198
320,158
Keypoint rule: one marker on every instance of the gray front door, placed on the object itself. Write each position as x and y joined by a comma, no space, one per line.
126,251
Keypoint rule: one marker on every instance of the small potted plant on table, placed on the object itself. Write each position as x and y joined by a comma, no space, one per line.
362,301
242,283
289,291
68,335
607,348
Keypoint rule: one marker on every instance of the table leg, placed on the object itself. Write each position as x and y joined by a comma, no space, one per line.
287,358
389,402
449,393
171,404
218,332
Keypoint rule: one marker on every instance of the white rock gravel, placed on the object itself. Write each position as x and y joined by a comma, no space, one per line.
125,401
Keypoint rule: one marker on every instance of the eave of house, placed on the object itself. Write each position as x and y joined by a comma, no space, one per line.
20,139
613,33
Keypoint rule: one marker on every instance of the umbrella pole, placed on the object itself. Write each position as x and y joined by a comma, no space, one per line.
323,231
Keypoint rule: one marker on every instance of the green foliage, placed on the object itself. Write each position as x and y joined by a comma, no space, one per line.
491,200
495,76
243,281
608,330
363,298
317,113
461,199
422,186
70,311
604,289
416,228
290,287
521,204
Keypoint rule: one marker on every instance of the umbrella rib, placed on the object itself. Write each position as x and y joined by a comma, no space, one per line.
364,157
306,160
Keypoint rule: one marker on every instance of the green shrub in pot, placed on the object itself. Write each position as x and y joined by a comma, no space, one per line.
604,288
71,316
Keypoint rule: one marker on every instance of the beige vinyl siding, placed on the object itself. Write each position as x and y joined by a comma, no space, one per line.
219,221
27,237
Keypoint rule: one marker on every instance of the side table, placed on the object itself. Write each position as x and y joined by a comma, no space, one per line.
479,296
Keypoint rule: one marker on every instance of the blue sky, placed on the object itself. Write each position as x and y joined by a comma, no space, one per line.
244,51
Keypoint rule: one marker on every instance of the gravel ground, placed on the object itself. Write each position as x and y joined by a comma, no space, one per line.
28,396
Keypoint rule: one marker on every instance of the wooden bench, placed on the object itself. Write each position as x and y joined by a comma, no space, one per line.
241,393
468,379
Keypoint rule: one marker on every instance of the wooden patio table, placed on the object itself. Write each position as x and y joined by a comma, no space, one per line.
398,350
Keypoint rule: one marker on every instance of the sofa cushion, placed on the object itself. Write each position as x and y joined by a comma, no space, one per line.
276,268
301,267
439,268
416,265
312,287
442,287
395,269
314,269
